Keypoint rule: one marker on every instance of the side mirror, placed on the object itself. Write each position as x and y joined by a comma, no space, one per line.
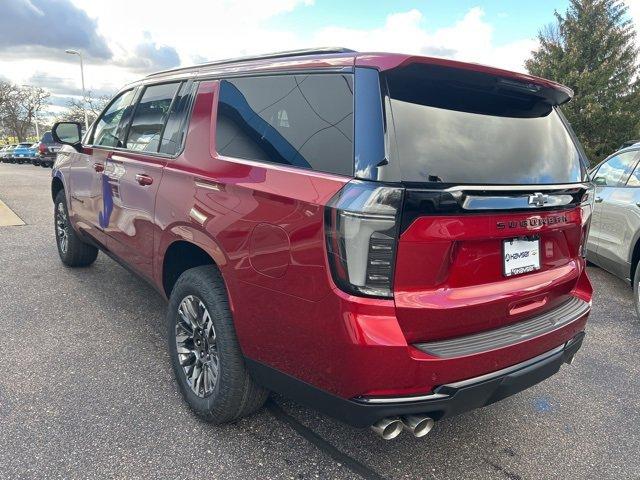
600,181
68,133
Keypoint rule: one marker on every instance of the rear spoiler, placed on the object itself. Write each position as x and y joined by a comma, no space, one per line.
552,92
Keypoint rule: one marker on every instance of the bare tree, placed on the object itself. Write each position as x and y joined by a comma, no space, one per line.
6,90
76,107
19,106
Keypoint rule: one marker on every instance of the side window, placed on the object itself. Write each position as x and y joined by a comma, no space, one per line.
150,116
298,120
108,131
175,130
634,179
615,169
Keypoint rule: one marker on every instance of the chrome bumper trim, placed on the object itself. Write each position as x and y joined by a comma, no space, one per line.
420,398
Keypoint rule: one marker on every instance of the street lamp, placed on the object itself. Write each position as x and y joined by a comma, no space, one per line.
84,96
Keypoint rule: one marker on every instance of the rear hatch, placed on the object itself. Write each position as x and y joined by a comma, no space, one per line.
48,146
495,211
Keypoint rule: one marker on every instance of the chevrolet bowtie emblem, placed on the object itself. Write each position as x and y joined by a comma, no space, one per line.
538,199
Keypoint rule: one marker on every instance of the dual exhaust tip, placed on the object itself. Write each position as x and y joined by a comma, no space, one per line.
390,427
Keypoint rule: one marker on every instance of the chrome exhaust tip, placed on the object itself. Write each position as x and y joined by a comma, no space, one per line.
419,425
388,428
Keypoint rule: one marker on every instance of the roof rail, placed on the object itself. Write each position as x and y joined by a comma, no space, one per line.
289,53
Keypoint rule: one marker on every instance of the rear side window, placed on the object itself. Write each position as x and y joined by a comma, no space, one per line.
150,116
299,120
108,130
175,129
615,169
634,179
465,127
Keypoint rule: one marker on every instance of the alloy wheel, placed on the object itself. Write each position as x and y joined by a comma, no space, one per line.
62,226
196,346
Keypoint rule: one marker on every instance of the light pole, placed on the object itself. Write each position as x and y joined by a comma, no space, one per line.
84,95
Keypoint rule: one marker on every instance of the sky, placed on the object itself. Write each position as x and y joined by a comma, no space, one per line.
122,40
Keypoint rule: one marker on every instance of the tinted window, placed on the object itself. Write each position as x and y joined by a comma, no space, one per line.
175,130
150,116
613,170
108,131
470,128
634,179
47,138
299,120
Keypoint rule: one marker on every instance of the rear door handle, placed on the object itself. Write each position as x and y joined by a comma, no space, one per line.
599,199
98,167
144,179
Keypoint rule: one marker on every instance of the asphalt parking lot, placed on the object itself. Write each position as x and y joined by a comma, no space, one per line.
86,389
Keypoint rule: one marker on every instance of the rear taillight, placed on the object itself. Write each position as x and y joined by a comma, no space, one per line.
42,148
361,226
586,207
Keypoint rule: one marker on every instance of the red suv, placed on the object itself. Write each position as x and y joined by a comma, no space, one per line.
390,239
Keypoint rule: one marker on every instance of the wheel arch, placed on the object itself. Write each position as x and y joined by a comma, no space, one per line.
635,257
188,249
56,185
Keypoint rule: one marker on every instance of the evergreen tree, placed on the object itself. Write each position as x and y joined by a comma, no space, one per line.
592,49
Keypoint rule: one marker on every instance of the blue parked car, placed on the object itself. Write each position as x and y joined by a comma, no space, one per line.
23,153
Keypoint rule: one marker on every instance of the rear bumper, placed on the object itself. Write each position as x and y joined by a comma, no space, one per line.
445,401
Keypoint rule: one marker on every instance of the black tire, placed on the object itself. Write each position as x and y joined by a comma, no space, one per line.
234,394
636,289
75,252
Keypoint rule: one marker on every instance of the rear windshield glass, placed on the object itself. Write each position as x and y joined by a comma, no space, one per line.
47,138
457,127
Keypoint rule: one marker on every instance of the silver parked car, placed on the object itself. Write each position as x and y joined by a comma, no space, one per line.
615,227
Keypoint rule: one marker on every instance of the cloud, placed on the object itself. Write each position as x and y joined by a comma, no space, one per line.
469,39
239,27
58,85
634,13
219,29
45,28
148,56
